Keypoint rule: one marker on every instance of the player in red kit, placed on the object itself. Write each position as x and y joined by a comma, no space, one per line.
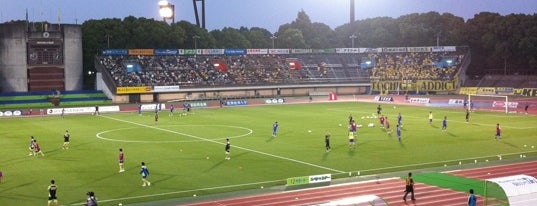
498,132
352,127
382,119
121,160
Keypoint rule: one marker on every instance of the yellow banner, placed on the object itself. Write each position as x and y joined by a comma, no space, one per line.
132,90
145,52
468,90
430,85
529,92
486,90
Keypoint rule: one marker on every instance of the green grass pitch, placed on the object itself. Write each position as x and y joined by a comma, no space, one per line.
185,154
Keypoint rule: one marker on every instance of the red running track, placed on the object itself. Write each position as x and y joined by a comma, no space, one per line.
526,168
390,190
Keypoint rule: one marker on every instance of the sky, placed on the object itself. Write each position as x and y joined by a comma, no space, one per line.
268,14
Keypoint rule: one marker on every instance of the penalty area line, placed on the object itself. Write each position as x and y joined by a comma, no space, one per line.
217,142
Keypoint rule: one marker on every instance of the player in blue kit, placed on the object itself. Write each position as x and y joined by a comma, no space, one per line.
275,129
399,119
398,131
444,124
171,110
140,109
144,172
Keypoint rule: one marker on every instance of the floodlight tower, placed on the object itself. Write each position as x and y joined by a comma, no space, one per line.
167,10
202,13
352,11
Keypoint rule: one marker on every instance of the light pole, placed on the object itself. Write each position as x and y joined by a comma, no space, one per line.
352,37
108,40
196,37
273,37
167,10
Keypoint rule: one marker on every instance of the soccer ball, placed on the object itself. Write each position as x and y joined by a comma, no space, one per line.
339,125
309,131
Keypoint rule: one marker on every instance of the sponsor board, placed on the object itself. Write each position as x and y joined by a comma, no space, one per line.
529,92
502,104
486,90
11,113
274,101
436,85
236,103
383,99
198,104
419,100
81,110
293,181
504,90
468,90
132,90
144,52
166,88
152,107
456,101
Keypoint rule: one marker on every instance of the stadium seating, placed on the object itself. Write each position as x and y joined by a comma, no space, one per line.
222,70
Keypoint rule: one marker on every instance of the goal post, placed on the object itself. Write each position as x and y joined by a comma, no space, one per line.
491,102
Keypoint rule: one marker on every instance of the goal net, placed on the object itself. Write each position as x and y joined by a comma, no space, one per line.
491,102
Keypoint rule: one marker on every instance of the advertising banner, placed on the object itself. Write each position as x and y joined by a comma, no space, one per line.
257,51
275,101
468,90
486,90
166,88
234,52
166,52
419,100
419,49
431,85
501,104
115,52
213,51
324,51
236,102
143,52
132,90
11,113
504,90
529,92
347,50
383,99
278,51
301,51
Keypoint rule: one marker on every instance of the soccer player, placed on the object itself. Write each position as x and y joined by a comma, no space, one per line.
156,118
327,141
37,149
498,132
526,108
467,115
96,110
171,110
275,129
409,187
351,140
91,201
227,148
52,188
387,123
352,127
398,130
350,119
379,109
31,147
63,112
66,137
140,109
430,117
382,119
121,160
444,124
144,172
400,119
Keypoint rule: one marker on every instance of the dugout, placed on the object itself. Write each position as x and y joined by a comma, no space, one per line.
517,190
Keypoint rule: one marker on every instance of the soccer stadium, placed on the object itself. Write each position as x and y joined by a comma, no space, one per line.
170,113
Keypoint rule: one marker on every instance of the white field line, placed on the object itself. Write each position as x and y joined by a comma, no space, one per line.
221,143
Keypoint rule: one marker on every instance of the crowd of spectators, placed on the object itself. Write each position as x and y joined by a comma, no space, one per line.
221,70
415,66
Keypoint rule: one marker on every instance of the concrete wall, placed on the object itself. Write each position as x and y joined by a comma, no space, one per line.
72,51
13,73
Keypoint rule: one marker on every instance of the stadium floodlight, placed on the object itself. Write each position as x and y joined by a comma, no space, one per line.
273,37
352,37
167,10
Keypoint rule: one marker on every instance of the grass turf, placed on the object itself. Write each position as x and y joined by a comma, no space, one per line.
185,154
